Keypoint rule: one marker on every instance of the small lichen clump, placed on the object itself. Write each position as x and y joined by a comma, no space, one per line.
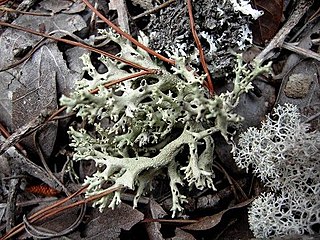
285,156
138,128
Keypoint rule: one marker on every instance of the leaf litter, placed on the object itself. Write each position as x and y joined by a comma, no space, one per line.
37,83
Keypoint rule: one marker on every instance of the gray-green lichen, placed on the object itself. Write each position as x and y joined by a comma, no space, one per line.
139,128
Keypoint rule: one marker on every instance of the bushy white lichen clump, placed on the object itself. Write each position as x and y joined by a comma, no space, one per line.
137,129
285,156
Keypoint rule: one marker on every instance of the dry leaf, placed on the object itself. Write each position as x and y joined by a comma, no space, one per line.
208,222
37,93
108,224
31,87
180,234
266,26
55,6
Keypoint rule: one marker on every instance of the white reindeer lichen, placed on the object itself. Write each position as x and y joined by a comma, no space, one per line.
285,156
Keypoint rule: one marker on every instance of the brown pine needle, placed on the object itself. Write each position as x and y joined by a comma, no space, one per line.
197,41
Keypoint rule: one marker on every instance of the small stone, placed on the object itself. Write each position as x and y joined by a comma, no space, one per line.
298,86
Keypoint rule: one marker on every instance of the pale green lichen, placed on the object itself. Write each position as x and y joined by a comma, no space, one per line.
138,128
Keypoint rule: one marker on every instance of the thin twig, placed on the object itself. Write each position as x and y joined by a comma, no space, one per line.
201,53
38,233
221,169
41,120
22,132
156,9
55,209
6,134
27,56
107,85
301,51
130,77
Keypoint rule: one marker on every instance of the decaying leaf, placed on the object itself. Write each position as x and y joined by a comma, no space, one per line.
32,87
267,25
55,6
64,6
108,225
180,234
37,93
208,222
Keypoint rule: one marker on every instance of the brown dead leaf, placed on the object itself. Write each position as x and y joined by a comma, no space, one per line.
180,234
55,6
208,222
31,87
108,224
64,6
266,26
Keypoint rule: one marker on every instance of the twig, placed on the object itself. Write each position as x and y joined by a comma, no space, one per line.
3,1
121,8
22,132
197,42
11,203
25,5
132,76
26,57
221,169
41,120
278,40
232,182
6,134
156,9
93,19
313,117
54,209
38,215
302,51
